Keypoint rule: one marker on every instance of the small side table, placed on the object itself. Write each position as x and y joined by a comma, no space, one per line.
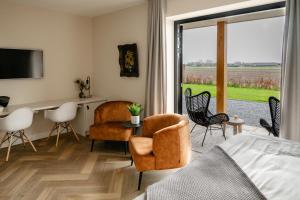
237,125
135,127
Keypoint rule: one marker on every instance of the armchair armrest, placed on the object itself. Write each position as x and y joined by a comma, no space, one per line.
266,125
166,148
171,146
218,118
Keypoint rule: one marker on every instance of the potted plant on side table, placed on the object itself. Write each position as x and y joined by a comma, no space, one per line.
135,109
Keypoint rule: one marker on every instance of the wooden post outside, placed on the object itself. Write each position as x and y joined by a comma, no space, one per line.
221,67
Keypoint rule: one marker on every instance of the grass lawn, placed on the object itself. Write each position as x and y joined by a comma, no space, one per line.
246,94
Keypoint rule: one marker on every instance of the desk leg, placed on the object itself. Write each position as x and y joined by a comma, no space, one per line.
235,130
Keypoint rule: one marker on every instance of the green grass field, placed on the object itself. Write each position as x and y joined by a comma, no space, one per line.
246,94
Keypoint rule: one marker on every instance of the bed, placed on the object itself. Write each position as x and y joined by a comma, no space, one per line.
246,166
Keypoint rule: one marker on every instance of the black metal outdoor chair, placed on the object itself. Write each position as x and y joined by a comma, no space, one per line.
197,109
274,105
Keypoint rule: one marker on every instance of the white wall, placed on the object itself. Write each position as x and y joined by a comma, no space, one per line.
123,27
67,44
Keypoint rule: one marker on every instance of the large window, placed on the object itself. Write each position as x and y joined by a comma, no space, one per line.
253,49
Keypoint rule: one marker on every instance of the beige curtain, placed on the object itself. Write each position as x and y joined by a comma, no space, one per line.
290,89
156,65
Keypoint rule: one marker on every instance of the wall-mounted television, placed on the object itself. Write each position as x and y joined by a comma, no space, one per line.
21,63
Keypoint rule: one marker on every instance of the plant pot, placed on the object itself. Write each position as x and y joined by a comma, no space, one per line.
135,119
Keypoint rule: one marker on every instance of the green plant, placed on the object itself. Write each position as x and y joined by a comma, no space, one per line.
135,109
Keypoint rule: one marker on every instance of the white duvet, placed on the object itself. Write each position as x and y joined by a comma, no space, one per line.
272,164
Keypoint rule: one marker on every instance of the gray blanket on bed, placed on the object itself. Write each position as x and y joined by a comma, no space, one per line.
213,176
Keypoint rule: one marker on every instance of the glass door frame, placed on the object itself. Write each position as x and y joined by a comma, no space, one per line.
178,29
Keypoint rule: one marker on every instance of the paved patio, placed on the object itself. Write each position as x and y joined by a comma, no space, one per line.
216,137
251,112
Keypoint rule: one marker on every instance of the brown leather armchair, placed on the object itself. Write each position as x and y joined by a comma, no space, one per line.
164,144
108,123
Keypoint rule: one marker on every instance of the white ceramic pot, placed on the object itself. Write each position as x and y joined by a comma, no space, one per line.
1,109
135,119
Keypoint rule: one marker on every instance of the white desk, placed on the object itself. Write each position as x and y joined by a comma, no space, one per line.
45,105
85,114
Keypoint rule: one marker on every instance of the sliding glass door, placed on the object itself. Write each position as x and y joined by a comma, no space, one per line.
243,51
254,50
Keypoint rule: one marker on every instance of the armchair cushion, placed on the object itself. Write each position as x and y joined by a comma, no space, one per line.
142,145
110,131
141,152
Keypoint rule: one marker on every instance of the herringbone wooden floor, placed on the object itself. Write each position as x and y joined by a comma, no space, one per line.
70,171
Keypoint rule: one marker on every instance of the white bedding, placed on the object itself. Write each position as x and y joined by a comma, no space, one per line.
272,164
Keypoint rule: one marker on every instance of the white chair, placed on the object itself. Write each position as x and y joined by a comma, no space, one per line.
14,125
61,118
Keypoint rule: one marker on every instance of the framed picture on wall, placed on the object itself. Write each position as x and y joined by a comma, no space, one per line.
128,60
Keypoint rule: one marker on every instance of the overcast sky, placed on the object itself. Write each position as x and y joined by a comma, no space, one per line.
252,41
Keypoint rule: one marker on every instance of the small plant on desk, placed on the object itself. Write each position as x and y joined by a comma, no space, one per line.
135,109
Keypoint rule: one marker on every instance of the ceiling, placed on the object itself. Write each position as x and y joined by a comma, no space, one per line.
89,8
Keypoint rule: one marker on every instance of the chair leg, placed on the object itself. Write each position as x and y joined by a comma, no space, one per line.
125,147
131,161
224,130
210,130
22,138
57,137
51,130
92,146
23,133
75,134
3,139
204,135
140,180
193,128
66,126
9,147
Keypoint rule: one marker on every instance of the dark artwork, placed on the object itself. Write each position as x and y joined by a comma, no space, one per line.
128,60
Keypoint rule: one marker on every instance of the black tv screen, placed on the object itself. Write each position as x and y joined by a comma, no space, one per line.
21,63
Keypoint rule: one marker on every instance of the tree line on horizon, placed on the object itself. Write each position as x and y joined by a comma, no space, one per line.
210,63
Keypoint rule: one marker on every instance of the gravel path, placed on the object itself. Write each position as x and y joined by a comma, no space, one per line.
251,112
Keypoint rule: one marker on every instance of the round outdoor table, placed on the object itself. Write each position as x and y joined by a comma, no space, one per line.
237,125
135,127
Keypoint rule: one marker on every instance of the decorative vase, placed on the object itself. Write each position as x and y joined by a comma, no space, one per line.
135,119
81,95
